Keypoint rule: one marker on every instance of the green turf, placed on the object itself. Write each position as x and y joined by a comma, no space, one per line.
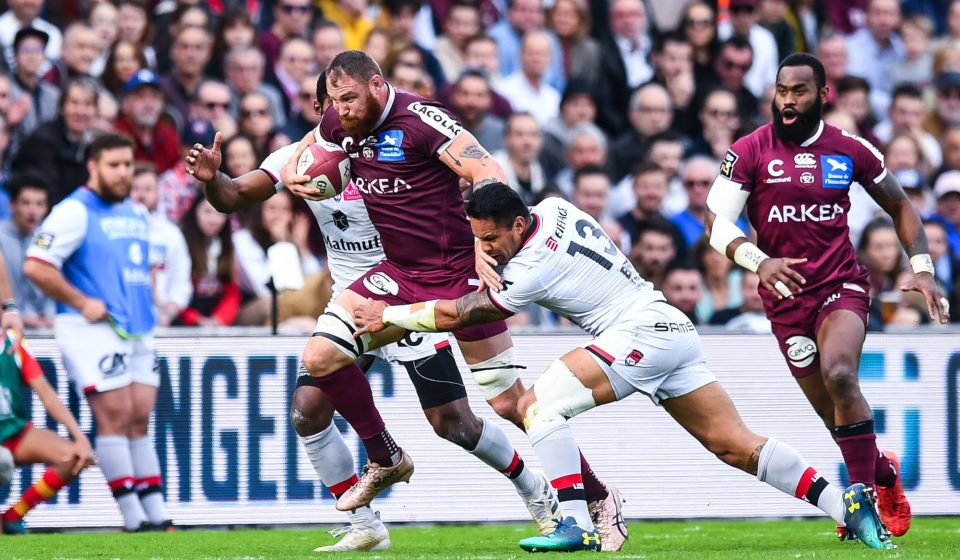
694,540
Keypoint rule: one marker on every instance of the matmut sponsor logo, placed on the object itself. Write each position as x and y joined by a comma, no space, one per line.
804,213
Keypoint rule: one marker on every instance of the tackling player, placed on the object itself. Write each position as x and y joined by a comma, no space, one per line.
793,176
28,444
559,257
91,255
407,157
353,247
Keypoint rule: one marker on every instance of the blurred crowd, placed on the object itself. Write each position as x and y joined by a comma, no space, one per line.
623,107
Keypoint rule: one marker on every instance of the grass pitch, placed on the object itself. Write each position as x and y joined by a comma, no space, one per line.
929,538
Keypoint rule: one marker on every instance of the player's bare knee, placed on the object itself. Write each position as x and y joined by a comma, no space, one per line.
456,426
310,412
841,382
507,409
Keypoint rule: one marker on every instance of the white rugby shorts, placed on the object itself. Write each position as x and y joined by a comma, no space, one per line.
657,354
413,346
97,359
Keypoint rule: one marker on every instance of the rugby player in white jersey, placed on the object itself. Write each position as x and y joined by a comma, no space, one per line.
559,257
353,247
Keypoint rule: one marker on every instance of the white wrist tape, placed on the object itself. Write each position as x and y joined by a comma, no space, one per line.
921,263
414,317
749,256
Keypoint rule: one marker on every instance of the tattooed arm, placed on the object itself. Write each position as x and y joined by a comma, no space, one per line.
442,315
468,159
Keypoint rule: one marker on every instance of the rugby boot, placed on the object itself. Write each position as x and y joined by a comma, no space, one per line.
364,535
892,502
18,527
544,508
567,537
607,516
373,480
861,518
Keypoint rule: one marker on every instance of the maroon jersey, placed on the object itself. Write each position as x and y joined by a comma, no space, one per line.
799,199
412,197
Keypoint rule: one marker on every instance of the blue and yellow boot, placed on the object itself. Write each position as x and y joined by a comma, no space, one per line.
861,517
17,527
567,537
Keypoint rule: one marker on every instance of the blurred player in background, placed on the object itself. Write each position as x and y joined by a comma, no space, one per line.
408,156
353,247
91,254
558,256
10,321
793,176
29,444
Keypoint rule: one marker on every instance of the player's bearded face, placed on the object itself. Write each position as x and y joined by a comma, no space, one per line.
364,117
794,125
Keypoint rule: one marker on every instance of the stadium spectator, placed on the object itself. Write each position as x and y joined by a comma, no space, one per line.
470,99
730,66
874,48
107,111
523,17
190,53
748,317
591,186
947,192
673,69
481,53
168,249
579,53
625,65
578,105
412,78
26,13
879,251
903,157
522,141
105,20
772,16
245,67
56,149
305,118
667,151
945,260
698,174
699,26
294,64
352,19
212,103
80,48
291,18
744,22
853,97
653,251
239,156
649,184
721,281
586,146
916,67
257,122
216,295
42,97
400,16
461,22
719,121
234,31
683,286
806,19
28,205
950,147
176,188
946,110
124,60
136,27
377,46
141,108
527,89
183,15
272,221
328,42
100,276
905,116
832,52
650,113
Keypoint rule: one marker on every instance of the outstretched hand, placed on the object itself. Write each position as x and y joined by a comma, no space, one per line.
203,163
369,317
937,306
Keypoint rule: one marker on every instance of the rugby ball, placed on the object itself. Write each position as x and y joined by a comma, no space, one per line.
328,167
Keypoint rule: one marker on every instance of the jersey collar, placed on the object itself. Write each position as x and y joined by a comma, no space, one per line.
386,107
532,229
815,137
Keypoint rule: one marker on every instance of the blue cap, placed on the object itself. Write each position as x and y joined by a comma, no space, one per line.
197,131
145,77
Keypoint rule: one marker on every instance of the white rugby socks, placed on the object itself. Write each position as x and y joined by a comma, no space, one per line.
782,467
116,463
333,461
146,470
495,450
558,453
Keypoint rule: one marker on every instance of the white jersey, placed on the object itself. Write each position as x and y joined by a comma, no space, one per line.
353,244
569,265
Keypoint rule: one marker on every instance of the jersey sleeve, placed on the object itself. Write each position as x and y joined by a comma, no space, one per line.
868,164
60,234
432,126
274,162
739,163
521,287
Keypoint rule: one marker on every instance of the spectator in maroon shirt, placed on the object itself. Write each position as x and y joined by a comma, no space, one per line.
141,108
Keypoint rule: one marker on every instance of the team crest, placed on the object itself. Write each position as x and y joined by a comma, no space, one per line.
729,160
633,358
43,240
807,178
367,152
